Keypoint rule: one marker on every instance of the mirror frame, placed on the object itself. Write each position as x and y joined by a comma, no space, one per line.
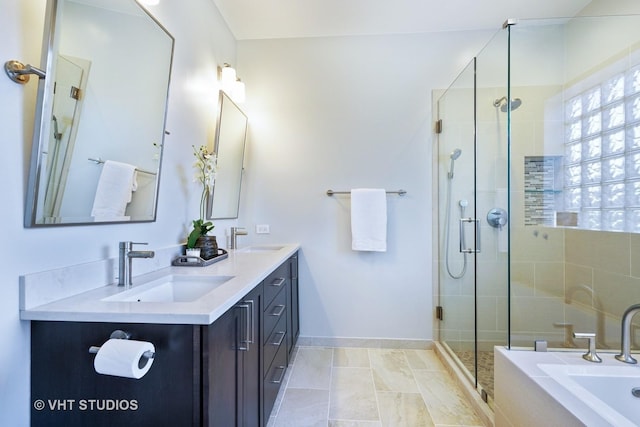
44,106
225,99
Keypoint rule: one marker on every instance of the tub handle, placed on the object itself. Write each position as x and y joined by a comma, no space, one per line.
591,354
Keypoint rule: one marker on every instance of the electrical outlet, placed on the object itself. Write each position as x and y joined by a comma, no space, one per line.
262,229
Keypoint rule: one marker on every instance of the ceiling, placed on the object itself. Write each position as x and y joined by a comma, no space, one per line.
265,19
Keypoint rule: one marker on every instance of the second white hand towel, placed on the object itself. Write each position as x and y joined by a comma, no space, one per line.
117,182
369,219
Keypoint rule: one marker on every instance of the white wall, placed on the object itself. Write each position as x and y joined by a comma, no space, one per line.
202,42
340,113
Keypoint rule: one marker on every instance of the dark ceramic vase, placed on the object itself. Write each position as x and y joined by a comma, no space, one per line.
208,247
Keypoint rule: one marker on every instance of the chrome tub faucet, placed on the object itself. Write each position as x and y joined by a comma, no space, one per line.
625,351
124,261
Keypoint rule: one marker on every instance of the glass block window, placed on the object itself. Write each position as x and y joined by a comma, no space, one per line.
602,154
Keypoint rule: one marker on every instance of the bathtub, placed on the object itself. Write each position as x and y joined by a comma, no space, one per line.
606,389
562,389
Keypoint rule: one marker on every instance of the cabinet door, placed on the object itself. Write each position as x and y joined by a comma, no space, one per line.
251,377
64,380
221,370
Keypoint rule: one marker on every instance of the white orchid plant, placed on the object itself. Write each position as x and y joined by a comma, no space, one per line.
205,173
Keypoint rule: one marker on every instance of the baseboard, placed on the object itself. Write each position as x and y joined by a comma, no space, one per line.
365,343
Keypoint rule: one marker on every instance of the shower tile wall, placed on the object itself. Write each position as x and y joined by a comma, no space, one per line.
603,279
537,250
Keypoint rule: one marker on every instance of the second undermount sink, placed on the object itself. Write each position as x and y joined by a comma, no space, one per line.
171,288
263,248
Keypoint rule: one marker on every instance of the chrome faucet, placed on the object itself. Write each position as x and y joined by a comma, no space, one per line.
124,261
625,351
235,232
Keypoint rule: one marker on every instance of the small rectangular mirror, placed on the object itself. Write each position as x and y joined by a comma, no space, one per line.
231,134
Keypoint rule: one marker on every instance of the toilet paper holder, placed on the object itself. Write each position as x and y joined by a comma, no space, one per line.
121,335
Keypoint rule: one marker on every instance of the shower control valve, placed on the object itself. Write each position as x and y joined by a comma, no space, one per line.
497,218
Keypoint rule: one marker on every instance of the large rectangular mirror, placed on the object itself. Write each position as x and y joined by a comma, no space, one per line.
231,133
100,122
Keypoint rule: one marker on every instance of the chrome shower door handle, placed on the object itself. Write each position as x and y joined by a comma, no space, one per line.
477,239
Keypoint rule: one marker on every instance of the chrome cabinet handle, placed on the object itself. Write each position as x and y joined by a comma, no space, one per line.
251,322
281,309
278,342
282,371
277,282
244,340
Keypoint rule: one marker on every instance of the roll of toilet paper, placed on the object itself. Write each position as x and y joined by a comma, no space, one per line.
123,358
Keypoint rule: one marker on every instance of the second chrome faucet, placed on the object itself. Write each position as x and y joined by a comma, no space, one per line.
235,232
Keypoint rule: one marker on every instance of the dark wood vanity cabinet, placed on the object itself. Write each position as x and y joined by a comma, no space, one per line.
225,374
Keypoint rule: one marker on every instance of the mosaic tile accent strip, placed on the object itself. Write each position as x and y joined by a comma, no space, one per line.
540,184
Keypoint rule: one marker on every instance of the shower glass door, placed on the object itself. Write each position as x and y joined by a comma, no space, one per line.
473,213
456,202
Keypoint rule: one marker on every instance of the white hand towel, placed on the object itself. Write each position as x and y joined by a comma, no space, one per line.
117,182
369,219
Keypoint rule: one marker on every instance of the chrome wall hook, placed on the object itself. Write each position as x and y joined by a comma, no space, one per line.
19,73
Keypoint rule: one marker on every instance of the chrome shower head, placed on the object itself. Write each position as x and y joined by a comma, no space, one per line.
453,156
502,103
515,103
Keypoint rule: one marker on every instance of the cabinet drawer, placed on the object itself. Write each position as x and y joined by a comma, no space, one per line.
273,380
275,282
274,312
276,339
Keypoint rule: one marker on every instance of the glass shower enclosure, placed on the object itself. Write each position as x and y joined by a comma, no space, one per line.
538,191
473,116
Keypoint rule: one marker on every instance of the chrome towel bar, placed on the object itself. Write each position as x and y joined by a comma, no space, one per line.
99,161
398,192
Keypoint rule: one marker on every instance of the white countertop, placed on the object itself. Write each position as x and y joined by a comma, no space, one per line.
247,268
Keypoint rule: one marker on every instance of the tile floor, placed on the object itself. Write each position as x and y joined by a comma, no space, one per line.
360,387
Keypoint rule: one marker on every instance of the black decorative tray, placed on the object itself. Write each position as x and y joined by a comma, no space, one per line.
191,261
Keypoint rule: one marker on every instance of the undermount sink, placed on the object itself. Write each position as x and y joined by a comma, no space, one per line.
260,249
171,288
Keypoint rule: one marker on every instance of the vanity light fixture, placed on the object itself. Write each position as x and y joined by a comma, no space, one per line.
231,84
238,91
227,78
